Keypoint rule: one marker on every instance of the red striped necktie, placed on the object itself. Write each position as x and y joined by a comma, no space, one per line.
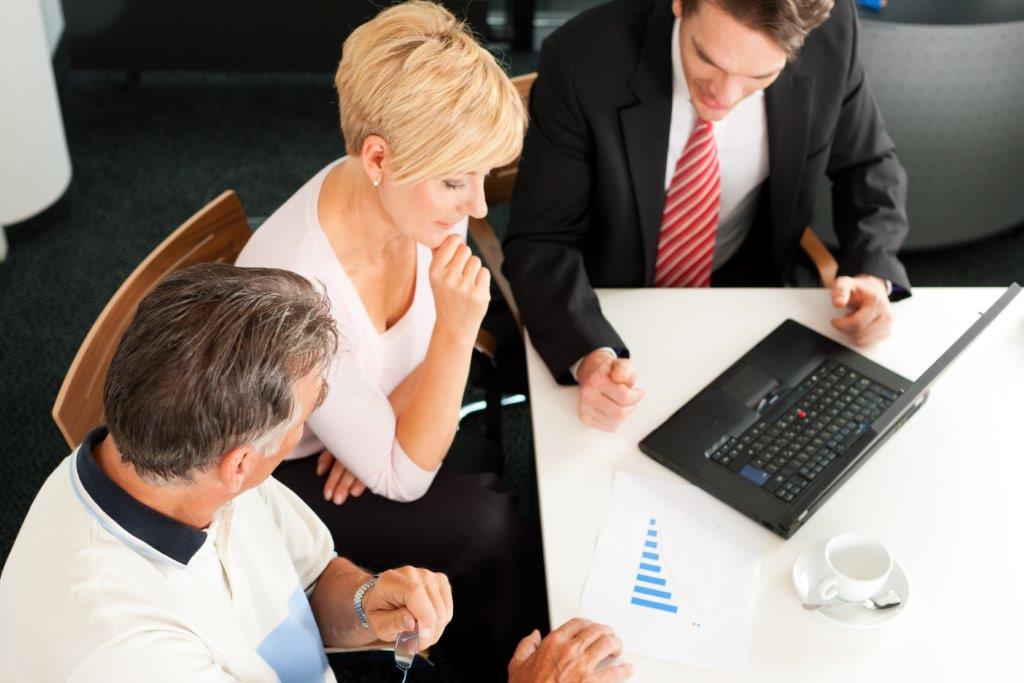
690,220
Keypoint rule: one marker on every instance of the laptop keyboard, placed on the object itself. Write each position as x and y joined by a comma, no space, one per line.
828,411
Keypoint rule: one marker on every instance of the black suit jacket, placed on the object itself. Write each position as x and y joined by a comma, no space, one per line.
590,191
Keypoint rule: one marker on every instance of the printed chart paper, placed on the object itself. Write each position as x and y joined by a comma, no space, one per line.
675,573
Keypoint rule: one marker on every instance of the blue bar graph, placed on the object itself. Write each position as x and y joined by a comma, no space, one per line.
651,591
650,563
655,605
650,579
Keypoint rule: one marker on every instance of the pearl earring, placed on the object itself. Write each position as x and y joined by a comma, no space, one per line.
376,182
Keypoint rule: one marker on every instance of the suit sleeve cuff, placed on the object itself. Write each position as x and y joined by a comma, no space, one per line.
576,365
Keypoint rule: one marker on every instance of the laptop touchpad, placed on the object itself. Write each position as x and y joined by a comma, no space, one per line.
749,385
697,426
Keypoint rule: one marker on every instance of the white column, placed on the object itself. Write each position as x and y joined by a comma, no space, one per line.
35,168
53,21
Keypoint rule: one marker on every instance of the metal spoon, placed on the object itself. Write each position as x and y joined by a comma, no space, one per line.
887,602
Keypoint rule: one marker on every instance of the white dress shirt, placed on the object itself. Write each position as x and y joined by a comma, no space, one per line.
742,140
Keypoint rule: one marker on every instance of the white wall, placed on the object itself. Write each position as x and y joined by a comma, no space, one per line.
53,20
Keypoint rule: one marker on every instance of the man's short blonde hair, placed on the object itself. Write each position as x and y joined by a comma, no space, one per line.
415,76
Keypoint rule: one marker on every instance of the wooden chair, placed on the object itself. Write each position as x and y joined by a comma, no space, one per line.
498,190
216,233
823,260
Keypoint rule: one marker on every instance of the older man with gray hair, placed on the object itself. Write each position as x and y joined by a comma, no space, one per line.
161,550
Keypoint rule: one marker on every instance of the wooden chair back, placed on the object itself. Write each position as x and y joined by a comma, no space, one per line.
499,184
216,233
823,260
498,190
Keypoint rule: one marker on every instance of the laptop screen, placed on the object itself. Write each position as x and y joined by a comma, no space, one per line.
932,373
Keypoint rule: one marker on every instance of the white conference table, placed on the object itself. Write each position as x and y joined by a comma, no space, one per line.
946,492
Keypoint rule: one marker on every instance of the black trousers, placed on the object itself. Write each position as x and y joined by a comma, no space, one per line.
751,265
465,526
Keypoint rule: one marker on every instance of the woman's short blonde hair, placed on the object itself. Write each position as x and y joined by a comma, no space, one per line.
415,76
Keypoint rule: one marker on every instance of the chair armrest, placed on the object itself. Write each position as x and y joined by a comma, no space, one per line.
490,252
486,344
823,260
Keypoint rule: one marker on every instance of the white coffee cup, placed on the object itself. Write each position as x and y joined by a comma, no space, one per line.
858,567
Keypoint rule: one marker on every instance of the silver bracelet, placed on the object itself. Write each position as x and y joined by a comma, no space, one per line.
357,599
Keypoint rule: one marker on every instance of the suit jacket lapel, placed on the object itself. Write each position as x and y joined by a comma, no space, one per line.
788,104
645,128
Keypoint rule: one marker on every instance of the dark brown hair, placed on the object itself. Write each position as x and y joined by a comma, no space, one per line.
787,22
209,363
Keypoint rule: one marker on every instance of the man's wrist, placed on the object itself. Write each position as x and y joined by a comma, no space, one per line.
886,284
574,370
360,596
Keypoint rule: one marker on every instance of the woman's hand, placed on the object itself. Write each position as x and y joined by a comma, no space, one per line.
462,288
341,483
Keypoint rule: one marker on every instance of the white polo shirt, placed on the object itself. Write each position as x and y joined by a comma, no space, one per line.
100,587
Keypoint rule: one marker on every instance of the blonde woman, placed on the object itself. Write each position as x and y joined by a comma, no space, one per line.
426,113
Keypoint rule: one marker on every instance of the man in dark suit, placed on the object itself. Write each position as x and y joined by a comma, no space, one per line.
683,143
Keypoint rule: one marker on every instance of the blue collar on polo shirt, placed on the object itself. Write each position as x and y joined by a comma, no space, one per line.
148,532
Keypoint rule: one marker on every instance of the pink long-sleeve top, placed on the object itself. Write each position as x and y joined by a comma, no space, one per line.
356,422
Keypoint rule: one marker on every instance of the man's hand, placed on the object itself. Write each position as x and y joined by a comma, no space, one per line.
607,391
870,316
404,598
341,483
569,654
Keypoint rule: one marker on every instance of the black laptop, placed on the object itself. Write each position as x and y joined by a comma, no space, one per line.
779,431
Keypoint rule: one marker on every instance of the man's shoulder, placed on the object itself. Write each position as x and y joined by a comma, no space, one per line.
607,28
271,510
842,16
52,585
53,521
832,41
69,557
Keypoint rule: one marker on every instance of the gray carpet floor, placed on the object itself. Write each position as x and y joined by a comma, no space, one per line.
143,162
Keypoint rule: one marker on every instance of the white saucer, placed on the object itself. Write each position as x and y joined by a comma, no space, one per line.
809,570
